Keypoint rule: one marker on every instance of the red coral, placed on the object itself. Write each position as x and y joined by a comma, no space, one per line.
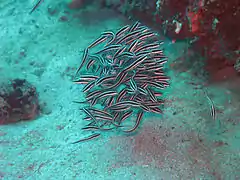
18,101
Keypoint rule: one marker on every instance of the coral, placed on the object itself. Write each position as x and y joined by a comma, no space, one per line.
208,26
237,65
76,4
4,108
18,101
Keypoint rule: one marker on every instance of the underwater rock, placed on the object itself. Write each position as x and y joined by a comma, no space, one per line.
76,4
209,26
18,101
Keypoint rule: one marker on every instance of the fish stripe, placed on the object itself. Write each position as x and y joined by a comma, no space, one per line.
87,138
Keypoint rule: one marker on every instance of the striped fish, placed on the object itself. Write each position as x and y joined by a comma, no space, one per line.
87,138
148,47
98,41
121,94
121,108
134,26
97,111
88,87
138,120
130,35
90,63
105,94
84,58
36,6
104,79
108,48
89,114
126,115
91,95
135,64
126,103
121,76
121,31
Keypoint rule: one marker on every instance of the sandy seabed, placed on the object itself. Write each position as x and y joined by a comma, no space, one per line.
184,143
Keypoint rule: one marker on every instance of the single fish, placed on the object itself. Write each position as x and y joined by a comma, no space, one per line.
156,84
111,47
130,35
121,31
126,103
36,6
134,26
135,64
147,47
146,35
90,63
97,111
139,118
104,79
133,45
121,108
121,94
213,110
156,110
91,95
88,86
133,85
122,75
97,41
88,77
89,114
126,115
110,101
87,138
84,59
151,94
105,94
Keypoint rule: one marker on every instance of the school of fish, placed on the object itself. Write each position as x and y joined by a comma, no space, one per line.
123,80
